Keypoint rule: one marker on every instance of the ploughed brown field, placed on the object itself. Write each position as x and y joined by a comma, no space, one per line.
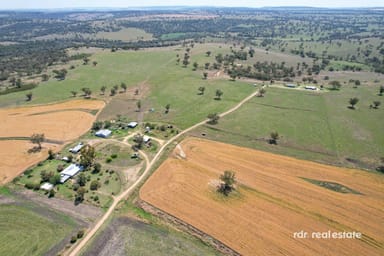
60,123
272,200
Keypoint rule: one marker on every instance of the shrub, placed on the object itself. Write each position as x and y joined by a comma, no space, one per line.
113,156
80,234
108,160
94,185
73,239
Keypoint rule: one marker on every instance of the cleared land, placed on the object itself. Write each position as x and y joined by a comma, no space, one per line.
127,236
60,123
312,125
272,200
30,229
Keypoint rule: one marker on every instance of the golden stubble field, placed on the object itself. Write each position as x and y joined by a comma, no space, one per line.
59,122
272,201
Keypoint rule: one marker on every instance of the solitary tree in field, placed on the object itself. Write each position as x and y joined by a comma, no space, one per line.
335,85
124,87
213,118
201,90
262,91
167,107
37,138
205,75
102,89
74,93
138,104
137,92
376,104
29,96
195,65
219,93
94,63
228,179
274,137
381,90
208,53
353,101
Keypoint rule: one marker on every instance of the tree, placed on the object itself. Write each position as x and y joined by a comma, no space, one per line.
46,176
139,140
205,75
228,179
29,96
218,94
381,90
274,137
102,89
167,107
81,179
336,85
97,125
94,185
201,90
94,63
18,83
262,91
37,138
51,154
55,179
80,196
45,77
138,104
195,65
208,53
87,156
136,91
353,101
376,104
87,92
74,93
113,91
124,87
86,60
96,168
213,118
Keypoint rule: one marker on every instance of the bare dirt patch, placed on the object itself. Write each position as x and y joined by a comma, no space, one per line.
272,201
60,123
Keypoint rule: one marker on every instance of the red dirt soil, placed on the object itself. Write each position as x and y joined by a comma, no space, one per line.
272,201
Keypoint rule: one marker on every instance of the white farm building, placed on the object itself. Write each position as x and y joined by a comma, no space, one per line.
69,172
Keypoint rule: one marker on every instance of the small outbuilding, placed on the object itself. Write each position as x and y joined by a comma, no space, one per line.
146,139
132,124
313,88
104,133
47,186
77,148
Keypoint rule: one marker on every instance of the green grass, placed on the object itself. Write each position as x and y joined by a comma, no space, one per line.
5,191
315,126
333,186
31,230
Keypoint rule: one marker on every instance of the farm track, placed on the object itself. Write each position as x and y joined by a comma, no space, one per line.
149,164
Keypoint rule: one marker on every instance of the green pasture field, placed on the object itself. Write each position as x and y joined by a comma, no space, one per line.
312,125
26,229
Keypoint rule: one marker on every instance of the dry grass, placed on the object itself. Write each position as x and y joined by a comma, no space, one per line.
271,203
59,122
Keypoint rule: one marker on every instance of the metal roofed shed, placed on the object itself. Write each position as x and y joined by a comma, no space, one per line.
69,172
132,124
105,133
77,148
